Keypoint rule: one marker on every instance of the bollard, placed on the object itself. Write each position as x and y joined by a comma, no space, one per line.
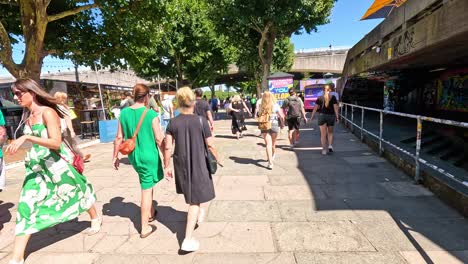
362,124
417,169
381,134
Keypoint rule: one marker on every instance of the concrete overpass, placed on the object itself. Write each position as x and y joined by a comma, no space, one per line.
420,34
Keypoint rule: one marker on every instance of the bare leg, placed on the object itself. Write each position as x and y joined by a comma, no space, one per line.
192,218
291,136
330,136
20,247
268,145
323,137
274,136
296,135
93,212
146,203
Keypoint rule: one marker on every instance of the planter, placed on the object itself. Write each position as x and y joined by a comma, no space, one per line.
108,130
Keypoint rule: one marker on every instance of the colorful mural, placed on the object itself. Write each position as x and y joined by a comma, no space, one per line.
452,91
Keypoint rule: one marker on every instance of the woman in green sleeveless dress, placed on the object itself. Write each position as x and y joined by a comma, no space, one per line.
145,157
53,191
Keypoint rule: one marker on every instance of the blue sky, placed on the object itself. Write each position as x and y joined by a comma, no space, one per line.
344,29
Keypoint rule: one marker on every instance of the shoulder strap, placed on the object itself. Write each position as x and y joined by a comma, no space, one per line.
139,123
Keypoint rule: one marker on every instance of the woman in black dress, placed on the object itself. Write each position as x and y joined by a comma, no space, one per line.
192,177
237,108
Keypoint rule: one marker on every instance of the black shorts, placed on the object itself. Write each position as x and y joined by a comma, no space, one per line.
324,119
294,123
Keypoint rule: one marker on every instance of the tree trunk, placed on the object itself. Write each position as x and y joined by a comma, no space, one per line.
212,88
258,84
267,51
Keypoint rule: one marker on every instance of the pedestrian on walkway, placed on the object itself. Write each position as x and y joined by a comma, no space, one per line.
215,106
53,191
333,92
192,137
202,108
3,138
271,112
253,102
143,124
327,106
295,114
237,108
68,133
167,110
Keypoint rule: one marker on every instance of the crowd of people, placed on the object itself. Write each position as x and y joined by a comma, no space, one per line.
55,189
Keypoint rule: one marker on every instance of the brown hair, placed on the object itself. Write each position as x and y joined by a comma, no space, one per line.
140,91
42,97
185,97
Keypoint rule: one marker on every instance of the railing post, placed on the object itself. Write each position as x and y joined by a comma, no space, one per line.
352,118
341,112
381,134
346,114
417,169
362,124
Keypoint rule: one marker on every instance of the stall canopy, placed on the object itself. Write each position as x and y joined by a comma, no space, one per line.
382,8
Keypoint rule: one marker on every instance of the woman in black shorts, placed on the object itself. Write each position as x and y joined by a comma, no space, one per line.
327,106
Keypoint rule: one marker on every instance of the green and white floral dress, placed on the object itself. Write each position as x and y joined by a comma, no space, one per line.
53,191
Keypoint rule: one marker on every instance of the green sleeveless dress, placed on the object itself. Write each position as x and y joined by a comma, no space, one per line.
145,157
53,191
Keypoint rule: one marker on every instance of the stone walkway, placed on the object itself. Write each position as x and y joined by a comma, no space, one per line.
349,207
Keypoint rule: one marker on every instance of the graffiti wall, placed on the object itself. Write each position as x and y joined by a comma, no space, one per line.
452,91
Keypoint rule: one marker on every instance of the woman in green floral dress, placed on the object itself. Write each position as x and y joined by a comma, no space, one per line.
53,191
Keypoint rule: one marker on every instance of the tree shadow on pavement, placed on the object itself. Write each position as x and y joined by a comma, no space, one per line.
248,161
5,214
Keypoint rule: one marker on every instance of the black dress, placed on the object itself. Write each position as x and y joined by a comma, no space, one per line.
237,117
192,176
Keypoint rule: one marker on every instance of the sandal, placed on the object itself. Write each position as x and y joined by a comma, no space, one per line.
96,224
155,214
153,228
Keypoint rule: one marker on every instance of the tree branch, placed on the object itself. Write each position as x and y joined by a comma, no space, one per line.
6,51
71,12
261,44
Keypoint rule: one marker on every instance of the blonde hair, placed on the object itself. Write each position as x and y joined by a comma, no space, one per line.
236,99
185,97
62,97
268,100
326,94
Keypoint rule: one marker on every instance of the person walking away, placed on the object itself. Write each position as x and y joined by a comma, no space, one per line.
333,92
153,104
253,102
295,108
271,120
215,106
190,133
258,104
202,108
237,108
167,110
327,106
145,158
126,101
68,133
53,191
3,138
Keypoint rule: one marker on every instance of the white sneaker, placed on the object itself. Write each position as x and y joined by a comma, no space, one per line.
292,146
190,245
270,165
14,262
324,152
330,149
201,216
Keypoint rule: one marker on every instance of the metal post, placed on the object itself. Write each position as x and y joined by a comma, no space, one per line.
346,114
100,92
417,174
362,124
341,113
381,134
352,118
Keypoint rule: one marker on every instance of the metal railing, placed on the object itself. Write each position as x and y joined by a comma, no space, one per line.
416,156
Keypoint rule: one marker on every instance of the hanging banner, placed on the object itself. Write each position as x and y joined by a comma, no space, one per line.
280,88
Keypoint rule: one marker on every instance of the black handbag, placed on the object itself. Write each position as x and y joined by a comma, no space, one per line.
210,158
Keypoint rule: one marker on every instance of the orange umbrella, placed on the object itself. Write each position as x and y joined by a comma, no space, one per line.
382,8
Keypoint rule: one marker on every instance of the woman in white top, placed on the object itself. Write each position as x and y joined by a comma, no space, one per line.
277,120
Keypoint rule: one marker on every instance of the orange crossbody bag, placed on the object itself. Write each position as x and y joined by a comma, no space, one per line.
129,145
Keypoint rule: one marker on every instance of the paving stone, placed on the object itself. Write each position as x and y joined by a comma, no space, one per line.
240,193
327,236
109,244
240,181
354,190
294,192
443,257
144,259
244,211
364,160
60,258
280,180
318,210
260,258
350,257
